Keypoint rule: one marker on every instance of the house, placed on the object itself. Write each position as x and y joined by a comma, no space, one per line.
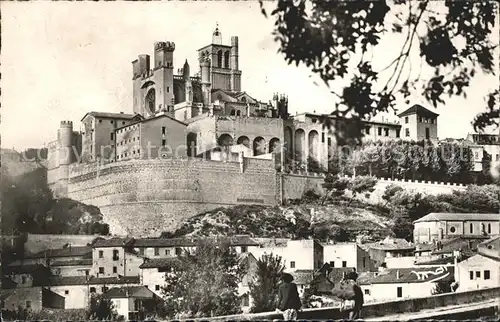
31,298
77,290
296,254
347,255
393,284
115,257
27,275
443,251
131,301
76,267
389,248
249,263
153,272
481,270
439,226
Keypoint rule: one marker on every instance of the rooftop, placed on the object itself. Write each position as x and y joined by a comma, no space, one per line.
74,262
113,242
445,216
236,240
62,252
165,263
24,269
408,275
390,243
124,116
419,110
138,292
84,280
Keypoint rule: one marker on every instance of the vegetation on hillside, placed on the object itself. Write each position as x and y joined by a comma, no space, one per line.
28,206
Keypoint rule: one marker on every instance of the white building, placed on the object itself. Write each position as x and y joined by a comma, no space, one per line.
347,255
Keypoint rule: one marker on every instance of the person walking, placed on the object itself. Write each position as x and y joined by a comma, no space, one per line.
288,298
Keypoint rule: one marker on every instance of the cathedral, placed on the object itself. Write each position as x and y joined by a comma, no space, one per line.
176,114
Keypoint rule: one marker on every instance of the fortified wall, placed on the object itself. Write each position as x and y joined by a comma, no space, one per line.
147,197
296,184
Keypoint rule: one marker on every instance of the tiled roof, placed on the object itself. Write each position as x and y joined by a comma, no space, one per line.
438,261
409,275
444,216
62,252
24,269
392,244
83,280
113,242
419,110
459,244
138,292
75,262
112,115
169,262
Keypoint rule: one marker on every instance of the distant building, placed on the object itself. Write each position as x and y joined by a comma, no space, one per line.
418,123
389,248
130,301
439,226
347,255
484,145
30,298
393,284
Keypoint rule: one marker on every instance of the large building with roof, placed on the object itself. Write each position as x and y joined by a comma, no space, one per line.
438,226
190,141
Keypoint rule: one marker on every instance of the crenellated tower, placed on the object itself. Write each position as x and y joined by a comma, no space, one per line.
153,85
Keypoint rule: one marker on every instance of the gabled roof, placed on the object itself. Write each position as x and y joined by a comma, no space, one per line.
419,110
161,263
410,275
113,242
112,115
444,216
62,252
138,292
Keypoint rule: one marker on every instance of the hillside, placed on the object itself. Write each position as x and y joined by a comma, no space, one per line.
29,207
336,222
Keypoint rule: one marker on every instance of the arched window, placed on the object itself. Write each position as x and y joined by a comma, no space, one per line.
233,112
238,113
244,99
219,59
226,59
150,100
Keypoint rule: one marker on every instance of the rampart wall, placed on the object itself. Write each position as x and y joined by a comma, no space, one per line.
146,197
295,185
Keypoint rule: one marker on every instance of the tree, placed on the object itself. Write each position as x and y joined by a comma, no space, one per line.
442,288
334,186
390,191
402,225
101,308
337,40
264,287
205,284
361,184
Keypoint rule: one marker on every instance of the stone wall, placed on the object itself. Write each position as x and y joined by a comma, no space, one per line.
146,197
295,185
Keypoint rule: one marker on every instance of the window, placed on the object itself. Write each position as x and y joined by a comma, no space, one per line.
163,130
292,264
471,275
379,131
244,249
364,261
471,228
367,130
66,292
100,121
478,274
101,270
116,255
407,132
168,89
420,120
157,287
92,290
329,141
163,142
406,120
178,251
141,251
367,292
332,264
123,123
398,133
399,291
111,121
323,138
115,270
87,272
452,229
497,157
427,133
487,275
344,264
167,251
111,136
28,304
101,254
489,228
386,131
245,300
157,251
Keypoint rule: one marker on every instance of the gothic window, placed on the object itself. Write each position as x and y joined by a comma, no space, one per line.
150,100
219,58
226,59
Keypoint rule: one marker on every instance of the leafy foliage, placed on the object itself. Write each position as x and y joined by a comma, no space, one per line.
205,284
441,288
336,40
101,308
264,287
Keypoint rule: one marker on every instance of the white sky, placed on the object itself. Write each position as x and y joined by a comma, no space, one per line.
63,59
